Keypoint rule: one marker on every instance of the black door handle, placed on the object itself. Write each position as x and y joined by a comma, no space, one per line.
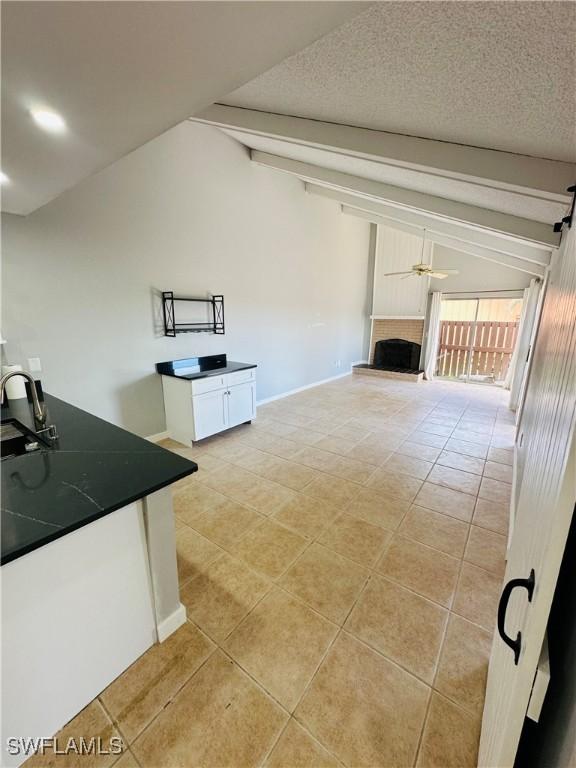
528,584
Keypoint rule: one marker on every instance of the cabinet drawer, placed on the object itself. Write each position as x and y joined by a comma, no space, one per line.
239,377
209,384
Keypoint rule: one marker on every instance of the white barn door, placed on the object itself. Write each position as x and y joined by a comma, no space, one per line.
545,503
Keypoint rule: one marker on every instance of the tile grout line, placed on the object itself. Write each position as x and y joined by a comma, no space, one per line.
267,754
423,727
116,725
169,702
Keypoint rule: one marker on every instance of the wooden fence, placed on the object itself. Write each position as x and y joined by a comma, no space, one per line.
489,346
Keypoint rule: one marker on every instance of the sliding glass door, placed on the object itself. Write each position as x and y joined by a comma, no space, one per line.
477,337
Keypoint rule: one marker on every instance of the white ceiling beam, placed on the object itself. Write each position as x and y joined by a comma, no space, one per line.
469,248
419,230
460,241
398,197
546,179
533,206
383,214
495,257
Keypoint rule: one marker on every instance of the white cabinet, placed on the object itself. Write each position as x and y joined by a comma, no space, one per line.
241,403
202,407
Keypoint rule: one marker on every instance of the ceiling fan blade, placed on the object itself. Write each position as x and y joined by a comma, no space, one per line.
391,274
409,274
447,271
437,275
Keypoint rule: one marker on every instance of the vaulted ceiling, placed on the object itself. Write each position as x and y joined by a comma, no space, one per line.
410,103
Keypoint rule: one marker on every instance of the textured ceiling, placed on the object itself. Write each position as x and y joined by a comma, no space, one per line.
487,74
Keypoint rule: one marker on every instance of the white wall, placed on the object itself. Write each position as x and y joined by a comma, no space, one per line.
187,212
397,295
475,274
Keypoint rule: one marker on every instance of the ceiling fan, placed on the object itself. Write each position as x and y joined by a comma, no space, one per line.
425,269
419,270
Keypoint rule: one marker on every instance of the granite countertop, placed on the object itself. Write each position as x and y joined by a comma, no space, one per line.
201,367
92,470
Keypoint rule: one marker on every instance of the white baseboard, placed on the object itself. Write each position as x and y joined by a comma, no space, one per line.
157,437
171,623
306,386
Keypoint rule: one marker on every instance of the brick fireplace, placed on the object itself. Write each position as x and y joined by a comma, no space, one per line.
395,328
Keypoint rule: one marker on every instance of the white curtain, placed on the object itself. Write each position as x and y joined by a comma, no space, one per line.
432,335
517,367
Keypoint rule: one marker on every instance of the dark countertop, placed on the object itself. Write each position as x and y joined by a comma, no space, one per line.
92,470
201,367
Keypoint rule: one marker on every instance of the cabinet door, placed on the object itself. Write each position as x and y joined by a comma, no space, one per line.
241,403
210,413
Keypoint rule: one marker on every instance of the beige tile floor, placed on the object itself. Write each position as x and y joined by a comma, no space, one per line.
340,560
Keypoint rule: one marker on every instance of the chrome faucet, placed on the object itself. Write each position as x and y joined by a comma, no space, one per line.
39,410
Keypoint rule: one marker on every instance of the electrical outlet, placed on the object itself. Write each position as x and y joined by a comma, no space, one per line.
34,365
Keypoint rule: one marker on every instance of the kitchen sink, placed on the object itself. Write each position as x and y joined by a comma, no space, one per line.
18,440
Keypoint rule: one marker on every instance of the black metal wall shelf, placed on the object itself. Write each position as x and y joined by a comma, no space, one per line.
171,327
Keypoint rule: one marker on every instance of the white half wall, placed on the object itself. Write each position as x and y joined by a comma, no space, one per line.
187,212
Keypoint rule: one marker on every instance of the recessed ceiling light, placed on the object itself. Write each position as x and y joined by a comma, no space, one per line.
3,178
50,121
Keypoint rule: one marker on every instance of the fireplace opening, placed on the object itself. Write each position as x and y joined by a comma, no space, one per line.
397,355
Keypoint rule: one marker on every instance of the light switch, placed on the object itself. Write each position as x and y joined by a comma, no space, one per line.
34,365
